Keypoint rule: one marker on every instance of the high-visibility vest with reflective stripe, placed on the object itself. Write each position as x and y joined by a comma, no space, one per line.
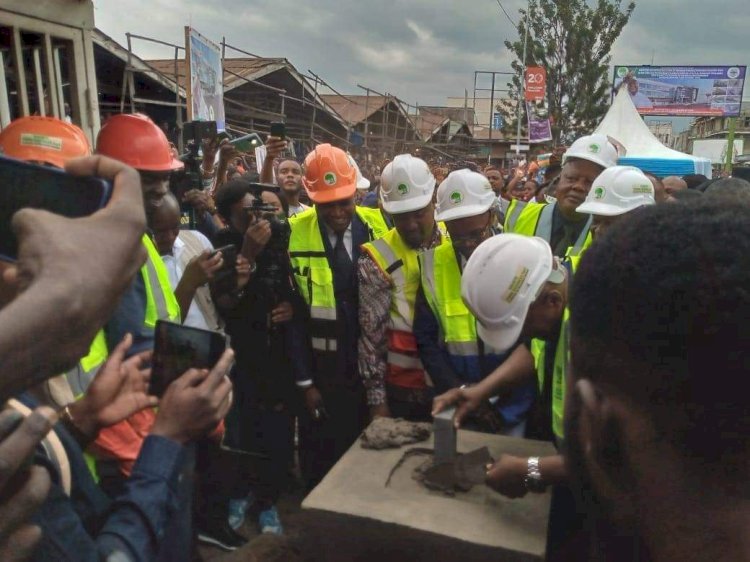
512,214
441,283
313,274
535,219
81,376
400,264
559,368
161,304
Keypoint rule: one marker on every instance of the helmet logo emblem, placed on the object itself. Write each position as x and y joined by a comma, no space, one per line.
403,189
330,178
594,148
599,192
456,197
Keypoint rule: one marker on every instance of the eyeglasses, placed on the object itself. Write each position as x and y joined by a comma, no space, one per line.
476,237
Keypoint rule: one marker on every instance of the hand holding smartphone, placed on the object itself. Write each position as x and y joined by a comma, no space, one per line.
178,348
25,185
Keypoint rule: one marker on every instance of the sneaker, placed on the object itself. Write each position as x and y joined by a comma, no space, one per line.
269,522
237,510
222,536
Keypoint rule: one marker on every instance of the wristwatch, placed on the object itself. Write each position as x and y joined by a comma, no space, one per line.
533,479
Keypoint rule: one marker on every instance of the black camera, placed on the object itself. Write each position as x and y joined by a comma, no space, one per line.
272,264
193,134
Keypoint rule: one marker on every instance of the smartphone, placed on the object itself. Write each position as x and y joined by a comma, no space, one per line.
229,253
278,129
178,348
25,185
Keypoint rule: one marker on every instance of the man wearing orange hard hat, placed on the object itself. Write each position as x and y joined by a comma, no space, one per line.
44,140
324,248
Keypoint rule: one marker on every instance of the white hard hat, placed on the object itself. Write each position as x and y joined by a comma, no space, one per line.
406,185
618,190
594,148
362,181
463,194
500,281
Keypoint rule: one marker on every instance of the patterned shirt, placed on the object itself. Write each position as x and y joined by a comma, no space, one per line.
374,318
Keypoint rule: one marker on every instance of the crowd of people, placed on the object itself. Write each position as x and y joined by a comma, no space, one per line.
596,306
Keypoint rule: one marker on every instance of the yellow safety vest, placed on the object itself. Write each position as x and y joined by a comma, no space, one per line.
559,369
400,264
535,219
441,284
161,304
313,274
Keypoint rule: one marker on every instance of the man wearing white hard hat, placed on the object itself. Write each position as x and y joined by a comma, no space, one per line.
518,290
559,223
450,348
614,193
389,364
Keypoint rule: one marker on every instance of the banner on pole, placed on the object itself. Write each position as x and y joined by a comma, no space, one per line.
205,79
535,83
540,128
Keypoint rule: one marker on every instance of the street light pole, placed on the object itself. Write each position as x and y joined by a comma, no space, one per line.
522,89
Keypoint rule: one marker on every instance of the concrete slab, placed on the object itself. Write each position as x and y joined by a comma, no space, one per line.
360,517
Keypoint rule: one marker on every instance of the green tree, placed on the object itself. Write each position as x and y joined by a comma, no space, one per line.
572,41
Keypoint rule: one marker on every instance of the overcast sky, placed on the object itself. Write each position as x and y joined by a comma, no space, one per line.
420,50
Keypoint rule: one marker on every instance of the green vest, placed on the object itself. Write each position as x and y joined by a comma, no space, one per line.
313,274
535,219
559,369
161,304
400,264
441,284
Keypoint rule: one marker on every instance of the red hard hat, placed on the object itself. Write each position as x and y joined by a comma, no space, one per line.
136,140
43,139
329,176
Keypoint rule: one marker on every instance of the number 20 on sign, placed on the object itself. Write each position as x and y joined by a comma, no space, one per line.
535,83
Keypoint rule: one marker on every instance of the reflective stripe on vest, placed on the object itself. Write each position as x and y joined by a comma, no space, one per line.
559,369
80,377
313,274
400,264
161,304
441,283
514,211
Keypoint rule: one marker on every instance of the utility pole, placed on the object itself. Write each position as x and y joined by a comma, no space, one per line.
730,145
522,88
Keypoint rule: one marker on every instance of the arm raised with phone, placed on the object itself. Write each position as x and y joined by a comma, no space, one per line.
68,277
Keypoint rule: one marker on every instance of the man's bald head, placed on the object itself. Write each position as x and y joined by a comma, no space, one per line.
673,184
164,222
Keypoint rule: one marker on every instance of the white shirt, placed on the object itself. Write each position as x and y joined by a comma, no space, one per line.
194,316
297,209
347,238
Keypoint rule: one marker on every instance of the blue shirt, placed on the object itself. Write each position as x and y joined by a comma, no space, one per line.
149,520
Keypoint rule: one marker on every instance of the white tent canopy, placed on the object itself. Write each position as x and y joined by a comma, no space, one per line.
644,150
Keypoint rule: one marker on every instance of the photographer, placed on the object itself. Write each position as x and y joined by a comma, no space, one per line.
261,323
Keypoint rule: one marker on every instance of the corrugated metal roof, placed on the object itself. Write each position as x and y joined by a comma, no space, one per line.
248,68
355,109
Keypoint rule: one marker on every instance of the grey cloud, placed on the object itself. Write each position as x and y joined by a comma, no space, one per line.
420,50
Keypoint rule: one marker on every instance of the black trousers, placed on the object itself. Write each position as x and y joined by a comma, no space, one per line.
323,442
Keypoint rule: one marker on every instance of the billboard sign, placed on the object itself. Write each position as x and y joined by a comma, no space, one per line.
679,91
535,83
205,79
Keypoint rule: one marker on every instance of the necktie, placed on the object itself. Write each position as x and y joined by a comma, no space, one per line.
342,267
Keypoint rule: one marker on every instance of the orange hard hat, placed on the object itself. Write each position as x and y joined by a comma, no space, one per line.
43,139
138,142
329,176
